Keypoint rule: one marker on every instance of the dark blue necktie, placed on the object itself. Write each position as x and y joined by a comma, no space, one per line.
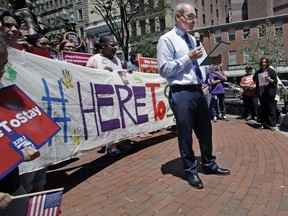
195,63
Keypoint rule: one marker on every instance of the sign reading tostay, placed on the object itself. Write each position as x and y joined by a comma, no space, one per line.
22,124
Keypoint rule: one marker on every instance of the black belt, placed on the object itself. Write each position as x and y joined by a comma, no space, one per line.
195,87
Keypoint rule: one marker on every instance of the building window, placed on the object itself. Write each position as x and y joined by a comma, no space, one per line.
218,36
204,19
232,58
143,27
202,38
281,54
152,25
212,22
203,3
162,23
262,32
134,29
80,15
196,11
246,57
246,33
211,8
278,28
151,4
132,7
81,32
231,33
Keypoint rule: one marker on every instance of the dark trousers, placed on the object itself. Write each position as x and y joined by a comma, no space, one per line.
250,105
191,111
268,110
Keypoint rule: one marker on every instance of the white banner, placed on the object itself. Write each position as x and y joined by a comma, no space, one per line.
93,107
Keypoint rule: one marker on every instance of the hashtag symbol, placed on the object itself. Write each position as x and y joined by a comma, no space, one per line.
60,100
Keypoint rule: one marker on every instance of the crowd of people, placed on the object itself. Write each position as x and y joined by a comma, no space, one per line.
186,78
13,33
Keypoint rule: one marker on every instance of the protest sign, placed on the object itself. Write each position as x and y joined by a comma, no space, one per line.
76,57
93,107
22,124
148,65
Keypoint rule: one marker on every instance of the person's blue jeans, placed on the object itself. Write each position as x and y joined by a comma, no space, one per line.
215,100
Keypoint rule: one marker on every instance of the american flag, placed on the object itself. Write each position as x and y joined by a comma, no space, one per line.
45,204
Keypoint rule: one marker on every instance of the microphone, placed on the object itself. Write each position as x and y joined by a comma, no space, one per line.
197,38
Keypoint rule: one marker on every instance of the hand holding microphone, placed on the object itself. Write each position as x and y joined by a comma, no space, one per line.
197,51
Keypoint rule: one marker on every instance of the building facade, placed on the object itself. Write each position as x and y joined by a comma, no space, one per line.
247,18
232,21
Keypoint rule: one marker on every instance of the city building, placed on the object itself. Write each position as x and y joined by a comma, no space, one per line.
63,15
232,21
246,18
81,16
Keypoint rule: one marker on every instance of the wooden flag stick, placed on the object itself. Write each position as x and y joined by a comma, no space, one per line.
36,193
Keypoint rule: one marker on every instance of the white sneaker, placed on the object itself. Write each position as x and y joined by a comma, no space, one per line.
215,119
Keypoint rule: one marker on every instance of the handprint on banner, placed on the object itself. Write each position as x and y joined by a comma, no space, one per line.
77,136
59,101
137,79
11,73
67,79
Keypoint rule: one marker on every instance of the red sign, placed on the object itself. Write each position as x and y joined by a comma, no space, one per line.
148,65
76,57
22,124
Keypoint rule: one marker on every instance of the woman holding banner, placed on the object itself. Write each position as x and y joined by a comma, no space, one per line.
107,60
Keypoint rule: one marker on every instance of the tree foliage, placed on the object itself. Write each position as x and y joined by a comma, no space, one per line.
144,45
267,45
119,14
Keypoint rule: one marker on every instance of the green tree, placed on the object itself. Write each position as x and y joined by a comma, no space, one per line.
119,14
144,45
267,43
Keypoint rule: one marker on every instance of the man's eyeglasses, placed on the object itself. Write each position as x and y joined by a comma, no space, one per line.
189,17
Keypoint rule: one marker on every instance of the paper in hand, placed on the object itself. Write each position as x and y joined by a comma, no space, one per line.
218,50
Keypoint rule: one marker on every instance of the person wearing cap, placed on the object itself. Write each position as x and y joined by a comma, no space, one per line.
249,95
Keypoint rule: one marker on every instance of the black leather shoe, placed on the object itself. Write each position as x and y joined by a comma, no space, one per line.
217,171
194,181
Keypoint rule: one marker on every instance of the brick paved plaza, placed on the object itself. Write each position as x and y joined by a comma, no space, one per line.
150,181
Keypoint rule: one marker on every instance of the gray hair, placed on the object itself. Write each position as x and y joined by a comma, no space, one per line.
180,9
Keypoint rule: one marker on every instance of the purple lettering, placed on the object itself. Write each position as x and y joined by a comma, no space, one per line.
122,102
102,89
83,111
140,92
